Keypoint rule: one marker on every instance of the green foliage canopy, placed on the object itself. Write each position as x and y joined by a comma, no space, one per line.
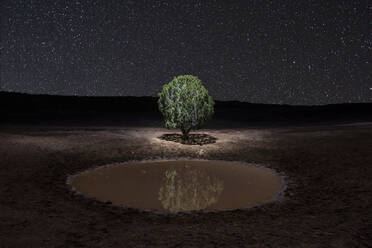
185,103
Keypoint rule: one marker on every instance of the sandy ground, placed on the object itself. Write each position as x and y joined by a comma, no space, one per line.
327,202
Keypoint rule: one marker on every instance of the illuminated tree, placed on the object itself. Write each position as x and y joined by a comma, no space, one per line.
185,104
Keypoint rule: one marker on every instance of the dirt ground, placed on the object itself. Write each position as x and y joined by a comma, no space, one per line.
327,202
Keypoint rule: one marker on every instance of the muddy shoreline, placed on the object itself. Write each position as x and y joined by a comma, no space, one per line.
326,204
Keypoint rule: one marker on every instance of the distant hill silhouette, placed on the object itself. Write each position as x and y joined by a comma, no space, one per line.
19,107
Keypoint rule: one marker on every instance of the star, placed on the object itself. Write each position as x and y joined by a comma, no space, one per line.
240,52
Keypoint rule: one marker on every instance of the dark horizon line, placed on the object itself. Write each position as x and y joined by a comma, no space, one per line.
156,97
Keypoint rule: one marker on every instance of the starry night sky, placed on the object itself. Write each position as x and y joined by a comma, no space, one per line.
281,52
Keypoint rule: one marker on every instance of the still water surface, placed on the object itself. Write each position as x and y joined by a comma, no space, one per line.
180,185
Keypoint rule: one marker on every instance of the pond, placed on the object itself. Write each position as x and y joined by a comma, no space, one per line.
180,185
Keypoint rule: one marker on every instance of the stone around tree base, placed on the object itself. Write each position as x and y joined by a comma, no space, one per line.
194,139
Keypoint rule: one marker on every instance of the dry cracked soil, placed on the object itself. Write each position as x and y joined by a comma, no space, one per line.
327,201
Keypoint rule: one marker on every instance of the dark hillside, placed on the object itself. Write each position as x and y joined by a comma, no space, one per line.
25,108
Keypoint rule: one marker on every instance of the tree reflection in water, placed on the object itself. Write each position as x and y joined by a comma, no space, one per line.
187,188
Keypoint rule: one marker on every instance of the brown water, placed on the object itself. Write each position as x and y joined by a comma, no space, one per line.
180,185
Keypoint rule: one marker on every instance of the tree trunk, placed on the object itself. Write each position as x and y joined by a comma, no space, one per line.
185,133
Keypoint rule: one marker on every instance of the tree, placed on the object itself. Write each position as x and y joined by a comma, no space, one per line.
185,104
